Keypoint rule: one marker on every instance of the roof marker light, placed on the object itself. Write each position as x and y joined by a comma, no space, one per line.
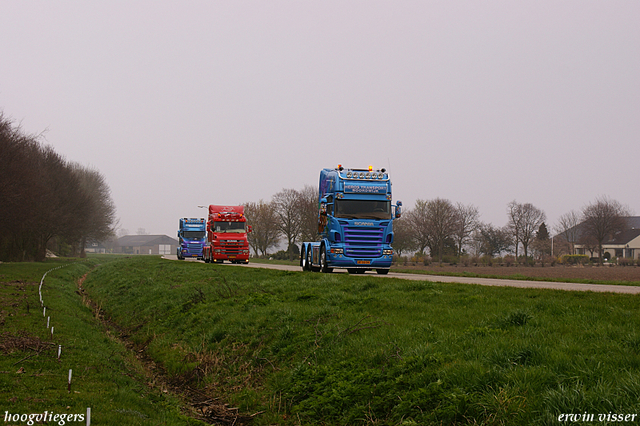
370,167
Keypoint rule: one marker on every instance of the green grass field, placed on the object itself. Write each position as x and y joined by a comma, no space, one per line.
105,376
295,348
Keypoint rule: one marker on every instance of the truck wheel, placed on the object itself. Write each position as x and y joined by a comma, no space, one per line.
382,271
303,258
323,261
308,264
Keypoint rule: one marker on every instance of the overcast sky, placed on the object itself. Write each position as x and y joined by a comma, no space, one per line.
187,103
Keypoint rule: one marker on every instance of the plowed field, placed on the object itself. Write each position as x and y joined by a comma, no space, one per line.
596,273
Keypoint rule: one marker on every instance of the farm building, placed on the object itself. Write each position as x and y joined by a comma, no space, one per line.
625,244
146,244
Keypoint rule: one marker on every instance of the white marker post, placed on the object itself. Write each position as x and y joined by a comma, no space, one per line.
51,333
59,350
88,416
48,318
44,311
69,385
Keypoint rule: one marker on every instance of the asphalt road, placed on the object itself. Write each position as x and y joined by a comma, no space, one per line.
601,288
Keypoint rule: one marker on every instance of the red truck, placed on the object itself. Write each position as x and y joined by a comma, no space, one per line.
227,235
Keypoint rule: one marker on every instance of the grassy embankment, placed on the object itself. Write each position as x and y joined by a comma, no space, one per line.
105,376
309,348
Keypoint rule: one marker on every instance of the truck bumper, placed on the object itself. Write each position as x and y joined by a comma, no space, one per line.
340,261
231,257
191,253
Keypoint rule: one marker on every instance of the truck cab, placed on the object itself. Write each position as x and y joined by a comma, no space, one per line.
227,235
191,238
355,222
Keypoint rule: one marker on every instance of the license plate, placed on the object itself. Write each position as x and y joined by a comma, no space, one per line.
232,257
363,262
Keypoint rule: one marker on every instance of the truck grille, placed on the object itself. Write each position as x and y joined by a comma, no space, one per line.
361,241
231,247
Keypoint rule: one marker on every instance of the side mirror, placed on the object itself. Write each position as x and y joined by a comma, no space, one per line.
249,229
323,207
398,209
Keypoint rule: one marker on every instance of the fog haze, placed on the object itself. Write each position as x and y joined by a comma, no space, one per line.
180,104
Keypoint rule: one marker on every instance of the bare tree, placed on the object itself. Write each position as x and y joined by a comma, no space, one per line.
492,241
308,211
603,219
63,206
286,204
568,228
532,219
440,223
99,223
467,220
514,223
19,188
264,223
524,221
418,220
403,236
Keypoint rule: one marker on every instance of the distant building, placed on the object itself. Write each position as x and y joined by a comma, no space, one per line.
625,244
146,244
100,248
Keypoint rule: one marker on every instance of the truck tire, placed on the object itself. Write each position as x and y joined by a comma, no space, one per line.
382,271
323,261
308,264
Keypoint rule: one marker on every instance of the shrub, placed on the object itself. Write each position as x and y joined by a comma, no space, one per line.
625,261
280,255
509,260
574,259
487,260
452,260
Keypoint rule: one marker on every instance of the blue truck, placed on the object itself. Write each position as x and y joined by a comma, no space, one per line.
355,222
192,235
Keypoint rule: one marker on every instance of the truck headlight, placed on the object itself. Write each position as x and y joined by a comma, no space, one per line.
337,251
387,252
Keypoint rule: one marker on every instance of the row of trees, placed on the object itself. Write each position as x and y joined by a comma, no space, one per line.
448,229
441,228
291,214
46,200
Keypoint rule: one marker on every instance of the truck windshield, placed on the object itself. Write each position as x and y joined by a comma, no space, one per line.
362,209
193,235
237,227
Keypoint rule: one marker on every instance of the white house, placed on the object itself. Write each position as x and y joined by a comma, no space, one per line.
625,244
